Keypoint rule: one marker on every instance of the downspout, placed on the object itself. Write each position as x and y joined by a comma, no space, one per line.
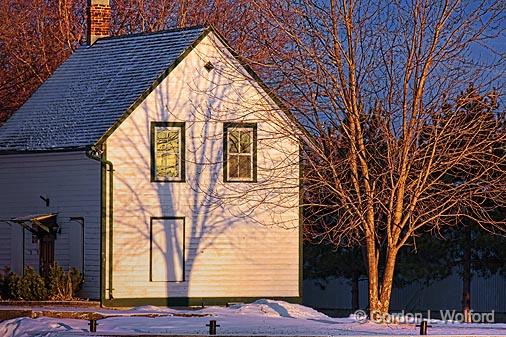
23,257
95,154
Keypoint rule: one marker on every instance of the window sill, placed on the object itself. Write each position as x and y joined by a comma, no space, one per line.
240,181
167,181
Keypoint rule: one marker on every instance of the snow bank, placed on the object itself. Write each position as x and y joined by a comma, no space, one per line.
271,308
152,309
28,327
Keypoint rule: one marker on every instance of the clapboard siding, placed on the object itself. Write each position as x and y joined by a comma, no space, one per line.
241,239
72,183
5,244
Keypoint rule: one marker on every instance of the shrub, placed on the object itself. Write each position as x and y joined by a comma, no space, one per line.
77,279
9,281
58,285
4,289
29,287
63,286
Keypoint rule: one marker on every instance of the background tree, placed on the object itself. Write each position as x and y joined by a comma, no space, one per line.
325,263
426,260
36,36
476,252
467,248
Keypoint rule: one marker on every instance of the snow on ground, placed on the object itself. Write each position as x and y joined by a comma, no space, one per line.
263,317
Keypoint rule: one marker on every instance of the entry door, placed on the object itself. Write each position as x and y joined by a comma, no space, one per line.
46,253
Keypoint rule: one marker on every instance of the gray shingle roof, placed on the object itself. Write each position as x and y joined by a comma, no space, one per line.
91,90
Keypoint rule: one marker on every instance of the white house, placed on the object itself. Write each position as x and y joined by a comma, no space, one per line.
161,166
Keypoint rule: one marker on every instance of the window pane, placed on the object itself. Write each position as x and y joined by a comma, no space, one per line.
167,140
161,134
161,139
167,152
173,141
167,165
245,167
233,166
240,148
245,142
233,141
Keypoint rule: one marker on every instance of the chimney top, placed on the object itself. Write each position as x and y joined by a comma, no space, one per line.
99,20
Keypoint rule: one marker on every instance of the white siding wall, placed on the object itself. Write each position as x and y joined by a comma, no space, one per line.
72,183
241,239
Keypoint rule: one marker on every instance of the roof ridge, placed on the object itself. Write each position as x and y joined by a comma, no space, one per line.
171,30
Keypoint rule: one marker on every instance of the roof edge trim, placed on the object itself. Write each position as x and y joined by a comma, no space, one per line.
141,34
53,150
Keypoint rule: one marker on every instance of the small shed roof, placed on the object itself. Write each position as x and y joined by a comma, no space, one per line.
36,223
90,92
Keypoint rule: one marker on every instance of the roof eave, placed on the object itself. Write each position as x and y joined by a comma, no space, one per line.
46,150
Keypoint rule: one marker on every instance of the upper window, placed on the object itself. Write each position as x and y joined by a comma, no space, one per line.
167,151
240,152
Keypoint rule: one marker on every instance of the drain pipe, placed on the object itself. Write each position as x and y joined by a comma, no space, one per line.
95,154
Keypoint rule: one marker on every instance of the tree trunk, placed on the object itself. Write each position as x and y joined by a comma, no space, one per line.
379,299
354,291
387,282
466,276
372,269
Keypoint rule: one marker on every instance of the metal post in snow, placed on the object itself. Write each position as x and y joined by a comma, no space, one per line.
212,327
93,325
423,327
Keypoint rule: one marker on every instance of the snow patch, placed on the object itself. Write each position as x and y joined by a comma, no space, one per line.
271,308
151,309
261,318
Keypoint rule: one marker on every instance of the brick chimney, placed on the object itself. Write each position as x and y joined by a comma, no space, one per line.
99,20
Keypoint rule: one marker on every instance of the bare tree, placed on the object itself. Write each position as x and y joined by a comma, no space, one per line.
36,36
380,89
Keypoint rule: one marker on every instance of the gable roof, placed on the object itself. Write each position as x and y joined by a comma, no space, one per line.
91,91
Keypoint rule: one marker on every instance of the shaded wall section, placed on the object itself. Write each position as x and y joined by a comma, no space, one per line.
71,181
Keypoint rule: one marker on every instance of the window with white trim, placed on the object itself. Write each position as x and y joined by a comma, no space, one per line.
240,152
167,151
